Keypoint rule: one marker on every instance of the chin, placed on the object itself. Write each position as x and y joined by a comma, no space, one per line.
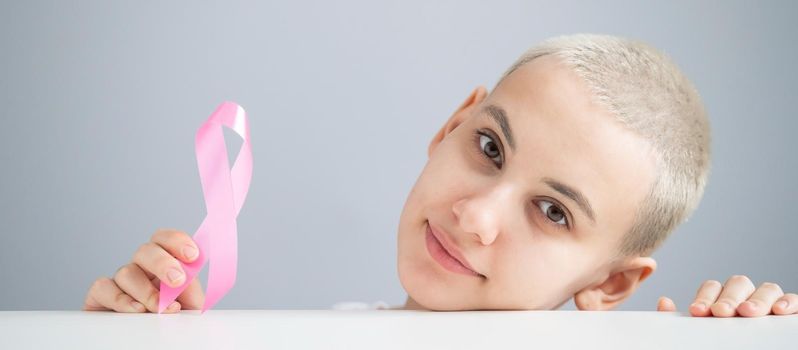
433,300
432,292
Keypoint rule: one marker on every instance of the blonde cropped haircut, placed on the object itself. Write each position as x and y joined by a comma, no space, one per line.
648,95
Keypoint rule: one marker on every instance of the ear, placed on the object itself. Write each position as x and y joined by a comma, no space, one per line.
460,115
617,287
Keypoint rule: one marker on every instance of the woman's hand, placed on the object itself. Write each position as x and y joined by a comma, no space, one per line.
134,287
738,297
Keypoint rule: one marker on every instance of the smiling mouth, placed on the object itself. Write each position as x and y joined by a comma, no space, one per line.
444,258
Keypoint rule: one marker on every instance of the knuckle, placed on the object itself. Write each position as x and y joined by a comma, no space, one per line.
180,239
159,232
98,284
704,300
770,286
172,238
142,250
122,272
179,234
125,272
165,262
167,233
152,301
740,279
105,282
120,298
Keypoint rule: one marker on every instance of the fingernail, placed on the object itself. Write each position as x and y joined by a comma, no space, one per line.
726,305
136,305
783,304
172,306
190,252
750,304
698,305
174,275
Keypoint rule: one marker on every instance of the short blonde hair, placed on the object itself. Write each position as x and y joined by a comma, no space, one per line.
650,96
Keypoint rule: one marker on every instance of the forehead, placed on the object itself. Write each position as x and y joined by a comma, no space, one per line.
562,133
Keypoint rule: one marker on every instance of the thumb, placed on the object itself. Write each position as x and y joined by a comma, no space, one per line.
665,304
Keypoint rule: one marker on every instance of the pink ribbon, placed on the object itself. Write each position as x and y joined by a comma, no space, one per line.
224,191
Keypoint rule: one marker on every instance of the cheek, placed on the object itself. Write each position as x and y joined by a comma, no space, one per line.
540,275
445,178
431,196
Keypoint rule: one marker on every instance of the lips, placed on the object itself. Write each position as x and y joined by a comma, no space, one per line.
445,253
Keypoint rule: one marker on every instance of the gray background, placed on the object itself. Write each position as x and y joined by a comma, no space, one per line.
101,101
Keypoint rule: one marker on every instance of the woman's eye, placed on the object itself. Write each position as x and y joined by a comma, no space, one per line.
552,212
489,148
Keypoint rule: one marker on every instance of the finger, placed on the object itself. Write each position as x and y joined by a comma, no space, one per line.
706,296
736,290
786,305
193,297
104,294
154,259
90,304
175,306
132,280
761,302
665,304
177,243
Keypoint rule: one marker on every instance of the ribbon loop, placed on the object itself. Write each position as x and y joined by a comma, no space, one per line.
224,191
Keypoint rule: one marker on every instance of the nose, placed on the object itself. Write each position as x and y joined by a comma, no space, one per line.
484,214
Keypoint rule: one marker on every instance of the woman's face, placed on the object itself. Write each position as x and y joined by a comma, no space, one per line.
539,215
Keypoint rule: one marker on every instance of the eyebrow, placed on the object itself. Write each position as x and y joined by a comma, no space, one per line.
573,194
500,117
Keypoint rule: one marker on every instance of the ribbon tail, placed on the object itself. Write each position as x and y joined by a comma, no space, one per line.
222,272
224,256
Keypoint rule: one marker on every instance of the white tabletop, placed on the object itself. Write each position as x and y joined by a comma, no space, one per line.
390,329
